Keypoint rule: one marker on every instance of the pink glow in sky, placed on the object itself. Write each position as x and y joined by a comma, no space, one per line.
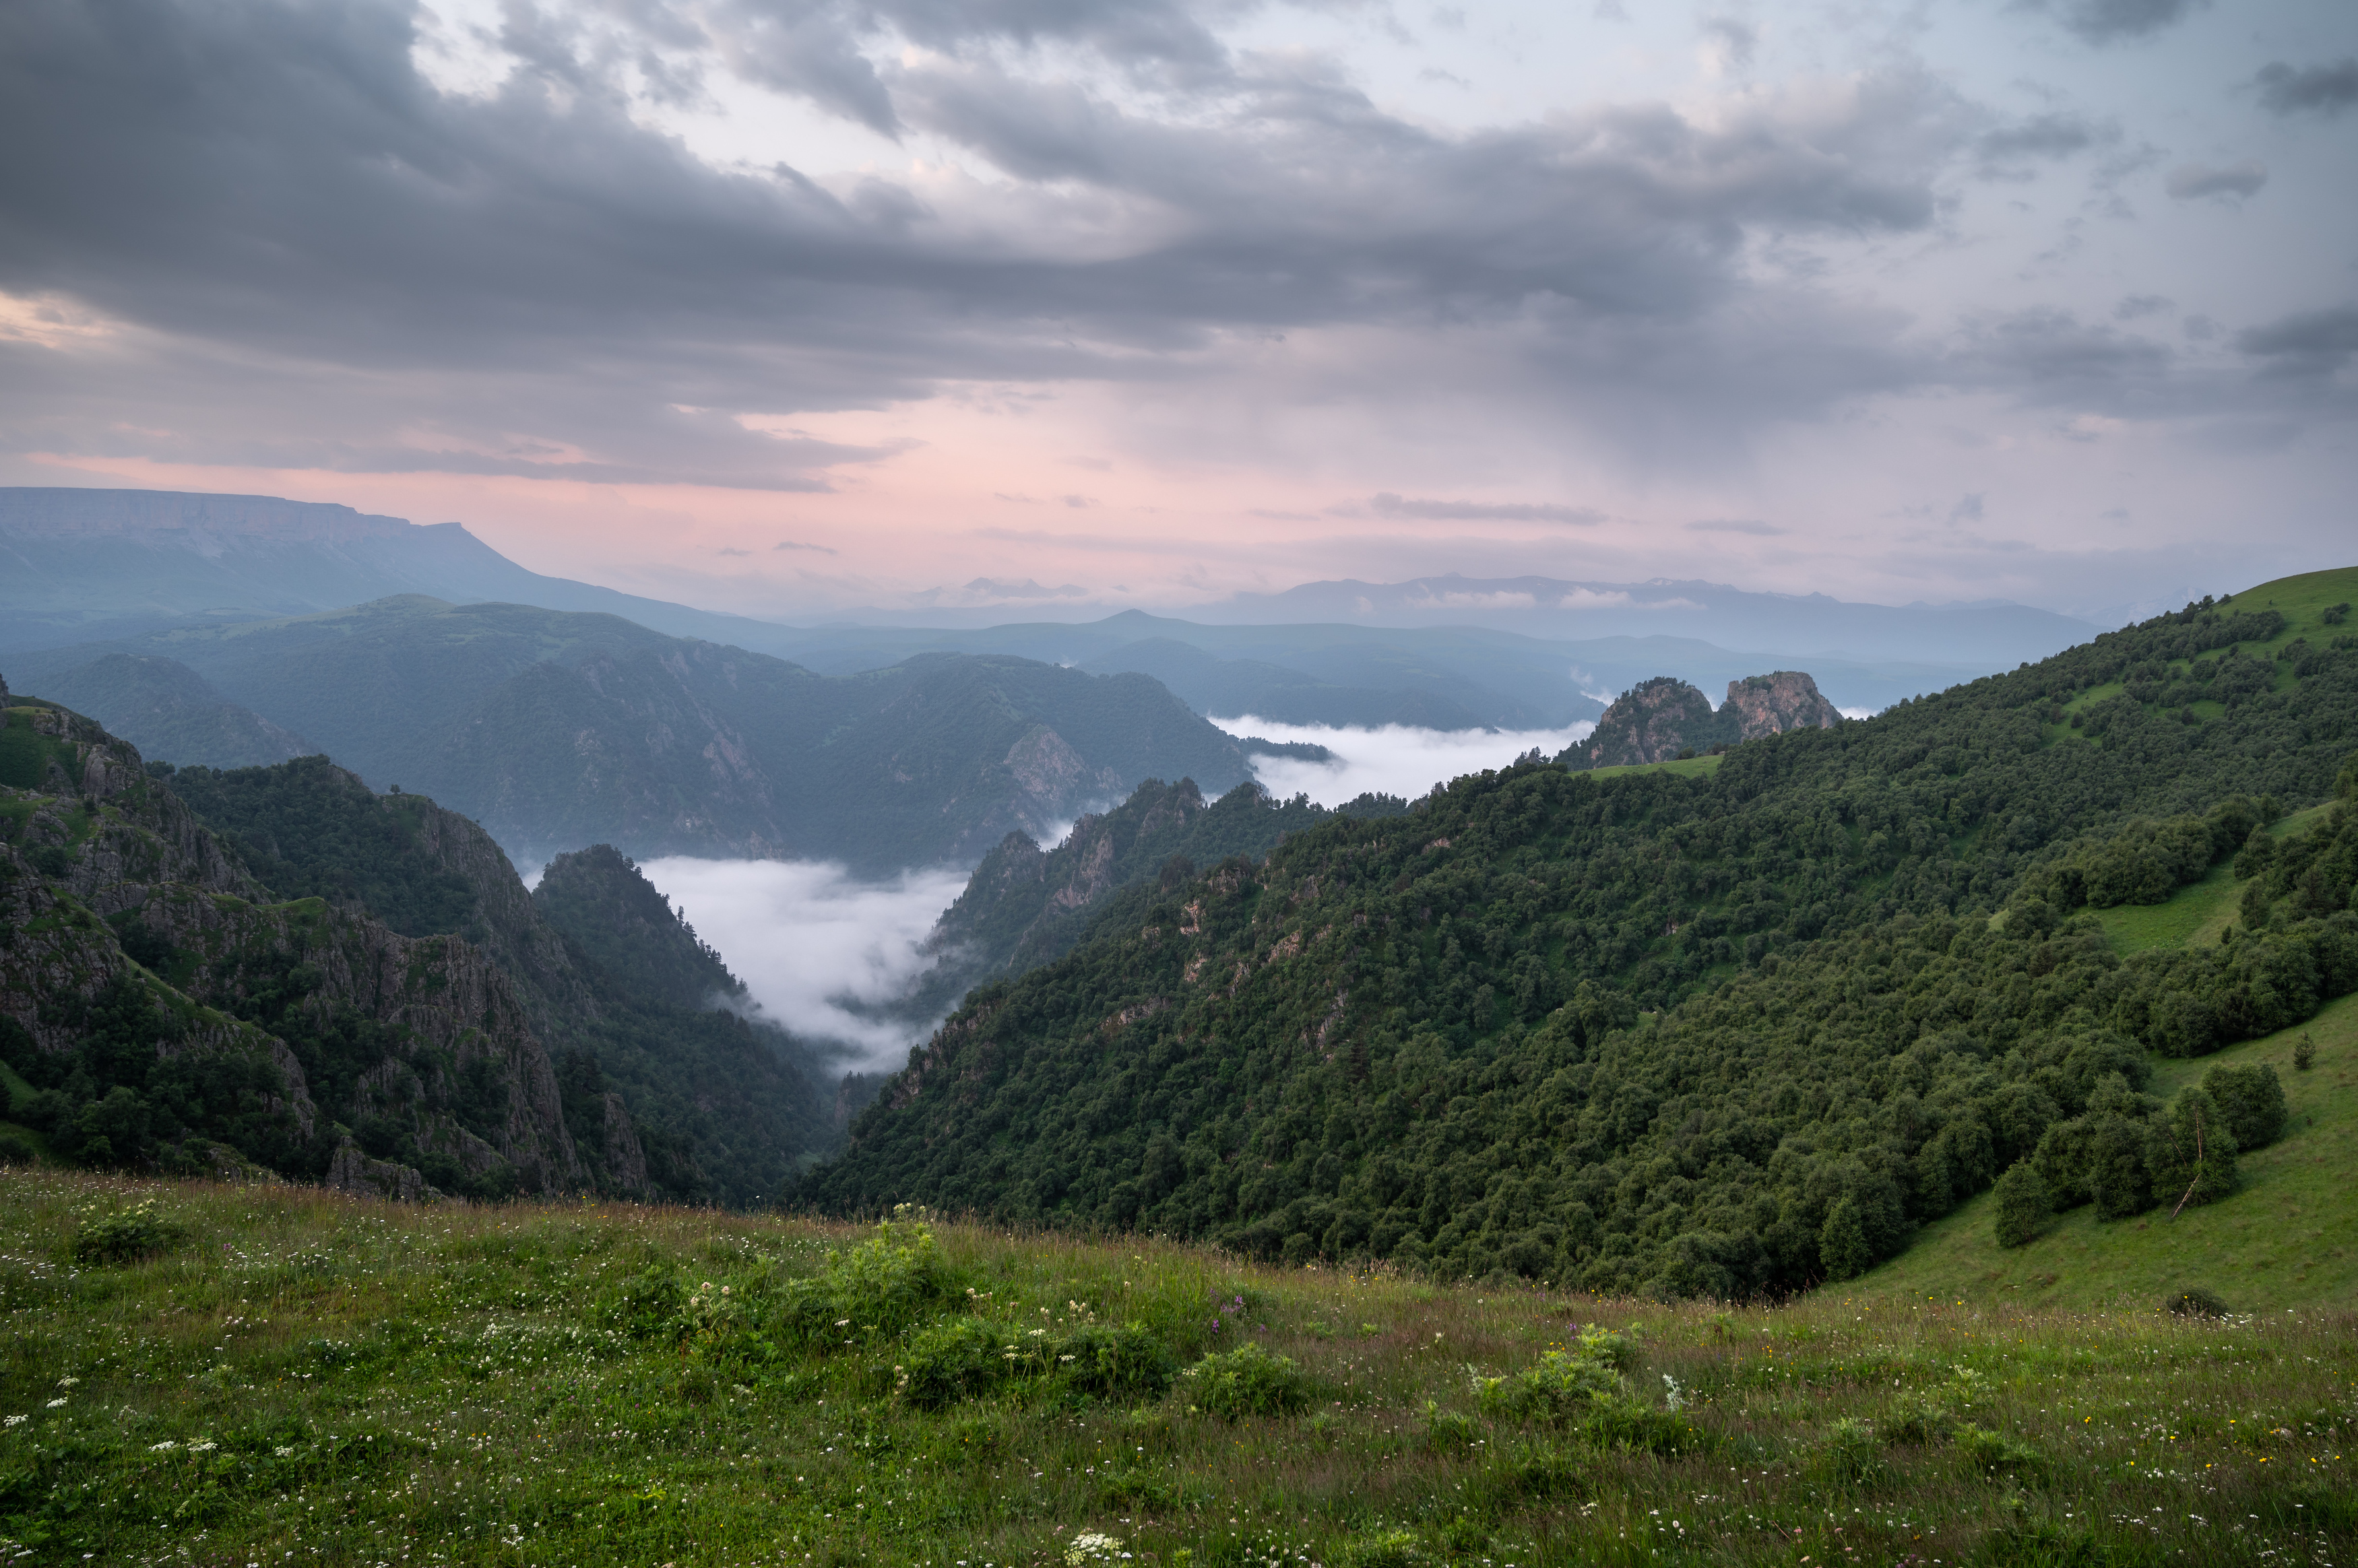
1148,302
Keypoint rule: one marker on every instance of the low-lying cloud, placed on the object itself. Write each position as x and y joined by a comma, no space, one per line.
1394,760
813,944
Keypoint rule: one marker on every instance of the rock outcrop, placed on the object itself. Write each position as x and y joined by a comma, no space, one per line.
1774,703
1664,719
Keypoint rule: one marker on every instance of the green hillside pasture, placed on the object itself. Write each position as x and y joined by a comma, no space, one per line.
2289,1239
300,1376
2201,911
1684,767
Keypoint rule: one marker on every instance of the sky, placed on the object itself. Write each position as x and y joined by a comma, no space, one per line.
794,307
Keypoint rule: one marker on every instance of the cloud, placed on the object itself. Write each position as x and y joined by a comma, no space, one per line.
2323,89
1729,42
2191,181
800,544
1393,759
2136,305
353,250
2113,21
1387,505
2310,343
986,589
2052,135
732,550
807,939
1734,525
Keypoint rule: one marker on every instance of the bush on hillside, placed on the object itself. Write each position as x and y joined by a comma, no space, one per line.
2251,1097
127,1235
2023,1206
1247,1381
2195,1301
876,1289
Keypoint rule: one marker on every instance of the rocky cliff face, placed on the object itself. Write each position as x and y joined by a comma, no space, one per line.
125,925
1650,722
1772,704
1665,718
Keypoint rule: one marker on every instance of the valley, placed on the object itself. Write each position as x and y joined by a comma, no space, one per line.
1741,1091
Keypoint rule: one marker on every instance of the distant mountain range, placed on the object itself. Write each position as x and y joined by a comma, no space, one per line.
109,566
558,729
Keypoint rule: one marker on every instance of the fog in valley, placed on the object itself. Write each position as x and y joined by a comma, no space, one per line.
1393,759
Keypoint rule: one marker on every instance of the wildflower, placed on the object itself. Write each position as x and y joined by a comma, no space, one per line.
67,1382
53,1404
164,1447
15,1420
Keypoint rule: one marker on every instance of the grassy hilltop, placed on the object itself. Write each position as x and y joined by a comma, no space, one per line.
199,1373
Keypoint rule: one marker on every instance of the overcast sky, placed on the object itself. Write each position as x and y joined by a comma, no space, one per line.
791,305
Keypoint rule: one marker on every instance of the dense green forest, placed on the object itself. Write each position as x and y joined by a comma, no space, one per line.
1025,905
1729,1033
280,967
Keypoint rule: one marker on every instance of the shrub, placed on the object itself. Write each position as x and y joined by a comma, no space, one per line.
1247,1381
2195,1301
1561,1389
15,1151
2191,1153
2304,1053
1128,1362
127,1235
960,1359
646,1305
892,1280
2251,1097
2024,1204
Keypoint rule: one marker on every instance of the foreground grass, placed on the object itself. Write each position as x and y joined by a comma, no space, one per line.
307,1378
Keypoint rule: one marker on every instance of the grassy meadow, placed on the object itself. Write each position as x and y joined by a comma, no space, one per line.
293,1376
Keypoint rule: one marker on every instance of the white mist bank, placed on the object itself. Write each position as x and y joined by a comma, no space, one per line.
807,938
1393,759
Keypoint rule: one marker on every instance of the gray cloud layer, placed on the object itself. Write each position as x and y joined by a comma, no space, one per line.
328,263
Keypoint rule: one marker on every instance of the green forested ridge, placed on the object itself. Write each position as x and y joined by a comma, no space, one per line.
161,1003
1728,1032
168,710
605,906
1024,905
308,829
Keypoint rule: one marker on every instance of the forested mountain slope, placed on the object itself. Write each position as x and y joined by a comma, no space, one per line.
1025,905
556,731
168,1003
1723,1034
169,711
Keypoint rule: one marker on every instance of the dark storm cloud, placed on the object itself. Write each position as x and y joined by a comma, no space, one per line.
2324,90
275,187
2113,21
2312,344
322,250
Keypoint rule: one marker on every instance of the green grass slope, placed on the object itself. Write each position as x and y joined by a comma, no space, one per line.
199,1373
2290,1237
